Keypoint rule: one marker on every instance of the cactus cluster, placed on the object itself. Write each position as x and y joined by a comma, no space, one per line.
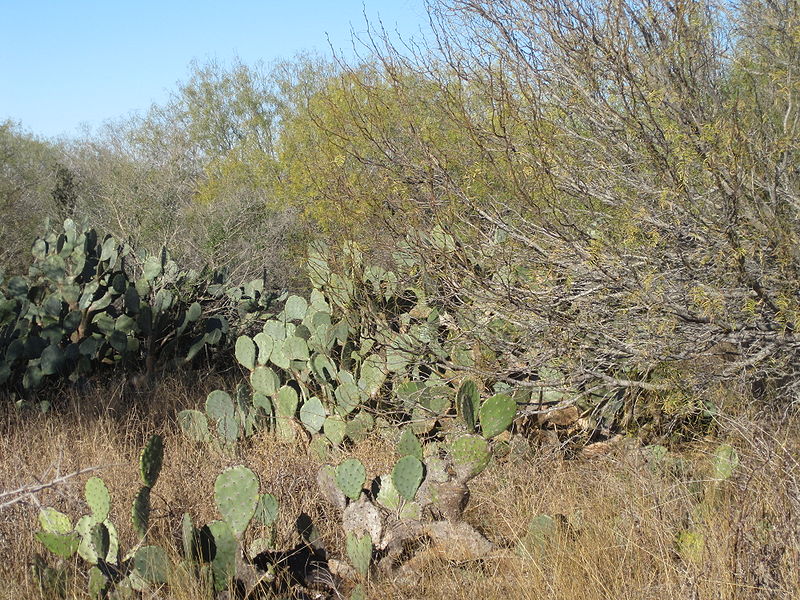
210,553
87,302
233,418
362,341
95,539
422,494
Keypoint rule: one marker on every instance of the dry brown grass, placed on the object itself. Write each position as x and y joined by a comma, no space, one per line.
620,514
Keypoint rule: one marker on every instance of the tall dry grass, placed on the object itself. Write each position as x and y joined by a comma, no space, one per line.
620,515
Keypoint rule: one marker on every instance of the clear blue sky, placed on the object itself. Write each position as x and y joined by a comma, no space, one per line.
68,62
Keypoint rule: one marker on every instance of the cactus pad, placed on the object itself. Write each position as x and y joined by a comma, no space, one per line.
267,509
350,477
188,537
468,401
359,550
246,352
264,343
725,462
63,545
359,426
542,530
140,514
194,425
388,496
53,521
296,348
86,547
219,405
226,548
286,402
411,511
407,476
98,499
334,429
470,455
312,414
236,496
496,415
409,445
152,564
265,381
295,308
100,539
150,460
348,397
98,583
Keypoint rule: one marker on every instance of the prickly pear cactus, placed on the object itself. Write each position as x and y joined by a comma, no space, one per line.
98,498
53,521
286,401
350,477
540,535
220,407
60,544
86,548
140,512
409,444
407,476
245,351
226,549
496,415
189,535
470,454
194,425
359,550
236,497
267,509
101,539
312,415
468,401
151,460
724,462
152,564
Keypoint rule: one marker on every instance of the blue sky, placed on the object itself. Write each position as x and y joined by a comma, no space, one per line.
70,62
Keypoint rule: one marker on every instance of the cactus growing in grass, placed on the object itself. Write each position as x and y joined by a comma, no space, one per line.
140,512
236,497
152,564
233,419
151,460
541,532
98,498
226,549
724,462
63,545
210,551
409,444
245,351
194,425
